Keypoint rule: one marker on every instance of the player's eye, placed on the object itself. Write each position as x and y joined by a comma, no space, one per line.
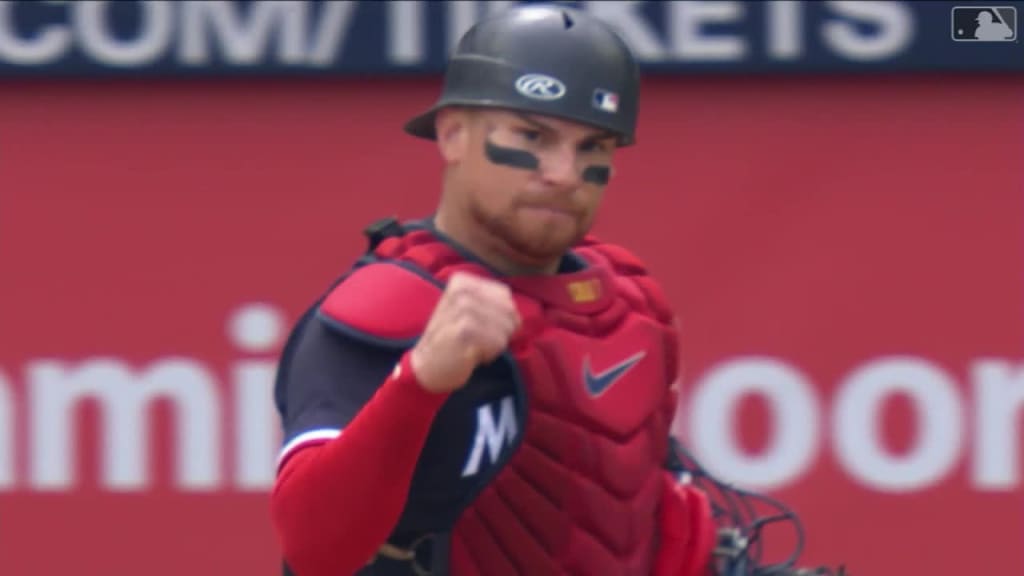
530,135
594,146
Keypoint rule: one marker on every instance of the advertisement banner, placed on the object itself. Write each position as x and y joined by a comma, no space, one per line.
219,38
845,258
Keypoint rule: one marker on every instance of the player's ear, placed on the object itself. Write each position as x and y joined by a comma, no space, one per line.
452,129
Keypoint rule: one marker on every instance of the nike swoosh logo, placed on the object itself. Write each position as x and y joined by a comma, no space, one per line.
598,384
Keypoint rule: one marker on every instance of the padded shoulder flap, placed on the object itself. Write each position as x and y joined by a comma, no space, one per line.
386,303
631,274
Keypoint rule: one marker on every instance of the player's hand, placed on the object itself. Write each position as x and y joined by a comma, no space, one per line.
470,326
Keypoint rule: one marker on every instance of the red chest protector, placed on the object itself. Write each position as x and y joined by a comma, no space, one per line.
598,356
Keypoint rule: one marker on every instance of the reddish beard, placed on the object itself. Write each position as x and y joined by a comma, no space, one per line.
547,246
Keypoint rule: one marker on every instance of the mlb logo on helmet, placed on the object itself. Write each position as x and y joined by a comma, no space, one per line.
605,100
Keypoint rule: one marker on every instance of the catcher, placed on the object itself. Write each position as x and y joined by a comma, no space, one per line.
488,391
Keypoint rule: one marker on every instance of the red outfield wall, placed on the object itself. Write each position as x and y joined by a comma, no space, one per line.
851,248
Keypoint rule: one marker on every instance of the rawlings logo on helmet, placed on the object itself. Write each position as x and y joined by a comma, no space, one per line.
540,87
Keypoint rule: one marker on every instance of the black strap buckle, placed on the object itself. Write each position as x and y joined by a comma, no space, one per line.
432,547
381,229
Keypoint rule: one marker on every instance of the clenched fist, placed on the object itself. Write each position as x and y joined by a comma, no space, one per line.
470,326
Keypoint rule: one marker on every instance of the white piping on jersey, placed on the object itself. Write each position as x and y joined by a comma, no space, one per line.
321,434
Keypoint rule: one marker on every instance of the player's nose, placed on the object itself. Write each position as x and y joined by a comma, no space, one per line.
561,168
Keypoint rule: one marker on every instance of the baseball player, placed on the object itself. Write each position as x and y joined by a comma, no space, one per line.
489,391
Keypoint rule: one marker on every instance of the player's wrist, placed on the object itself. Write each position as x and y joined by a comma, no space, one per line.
414,370
433,377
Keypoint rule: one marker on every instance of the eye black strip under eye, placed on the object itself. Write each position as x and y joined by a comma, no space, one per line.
510,156
597,174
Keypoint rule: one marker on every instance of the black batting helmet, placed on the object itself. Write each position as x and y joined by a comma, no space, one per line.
543,59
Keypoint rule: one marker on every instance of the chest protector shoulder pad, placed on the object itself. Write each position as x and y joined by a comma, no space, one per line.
388,297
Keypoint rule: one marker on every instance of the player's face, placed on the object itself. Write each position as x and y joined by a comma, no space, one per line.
534,181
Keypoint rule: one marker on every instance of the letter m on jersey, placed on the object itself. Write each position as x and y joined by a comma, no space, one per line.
492,434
